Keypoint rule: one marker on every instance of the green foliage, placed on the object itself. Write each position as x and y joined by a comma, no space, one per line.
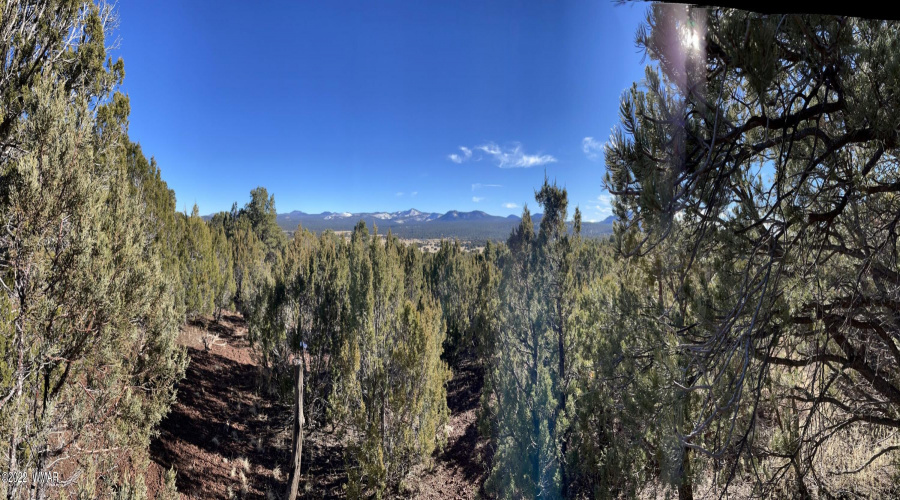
390,389
756,174
169,491
223,285
371,340
534,369
260,211
88,359
252,275
199,270
452,279
751,319
162,223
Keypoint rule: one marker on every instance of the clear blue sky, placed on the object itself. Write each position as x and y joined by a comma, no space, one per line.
358,106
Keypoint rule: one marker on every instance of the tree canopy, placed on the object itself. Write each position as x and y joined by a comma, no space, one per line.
763,150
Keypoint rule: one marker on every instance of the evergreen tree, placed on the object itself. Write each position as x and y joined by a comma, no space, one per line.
223,285
260,211
251,274
389,394
88,359
452,281
761,161
162,222
199,267
534,384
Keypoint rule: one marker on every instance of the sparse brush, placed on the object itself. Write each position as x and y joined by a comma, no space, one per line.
244,485
169,491
210,340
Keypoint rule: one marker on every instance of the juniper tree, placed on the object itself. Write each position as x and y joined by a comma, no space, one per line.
251,273
537,361
623,437
223,284
87,354
199,269
329,325
452,281
389,393
525,460
486,326
300,312
260,211
162,223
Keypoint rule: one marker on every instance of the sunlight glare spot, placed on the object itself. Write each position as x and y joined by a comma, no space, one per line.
691,39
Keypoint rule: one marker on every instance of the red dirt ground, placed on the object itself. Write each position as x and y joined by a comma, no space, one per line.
227,439
460,468
223,437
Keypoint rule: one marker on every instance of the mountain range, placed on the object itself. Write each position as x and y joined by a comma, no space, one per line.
412,223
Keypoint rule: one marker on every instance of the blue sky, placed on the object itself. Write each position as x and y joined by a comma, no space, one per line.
370,106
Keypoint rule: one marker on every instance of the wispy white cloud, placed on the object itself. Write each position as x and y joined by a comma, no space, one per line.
603,206
464,155
592,148
414,193
399,193
476,199
510,205
478,185
515,156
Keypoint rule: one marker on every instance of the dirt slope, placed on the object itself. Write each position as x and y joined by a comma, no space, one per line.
459,469
227,439
224,438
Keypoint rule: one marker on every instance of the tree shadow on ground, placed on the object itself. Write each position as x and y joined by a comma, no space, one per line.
223,435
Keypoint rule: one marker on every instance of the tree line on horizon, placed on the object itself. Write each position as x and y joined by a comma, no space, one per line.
738,334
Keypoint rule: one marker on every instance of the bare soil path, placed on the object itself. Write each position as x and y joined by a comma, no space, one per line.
224,438
461,467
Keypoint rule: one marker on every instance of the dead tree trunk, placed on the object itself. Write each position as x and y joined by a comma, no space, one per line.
298,432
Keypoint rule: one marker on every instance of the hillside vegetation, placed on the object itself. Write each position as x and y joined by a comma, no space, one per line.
737,335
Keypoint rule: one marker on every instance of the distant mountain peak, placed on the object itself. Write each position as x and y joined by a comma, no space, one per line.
414,223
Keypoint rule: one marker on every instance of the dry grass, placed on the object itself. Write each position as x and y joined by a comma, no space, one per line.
210,340
847,463
190,335
849,451
244,485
